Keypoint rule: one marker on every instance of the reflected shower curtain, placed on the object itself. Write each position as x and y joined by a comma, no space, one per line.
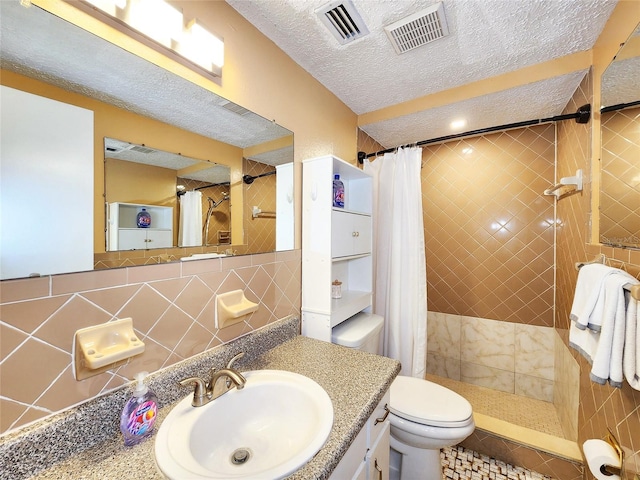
400,265
190,232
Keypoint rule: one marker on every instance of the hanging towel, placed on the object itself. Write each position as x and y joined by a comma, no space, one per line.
607,362
587,297
584,341
190,220
631,358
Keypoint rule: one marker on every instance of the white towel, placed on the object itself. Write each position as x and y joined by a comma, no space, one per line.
631,357
607,362
587,297
584,341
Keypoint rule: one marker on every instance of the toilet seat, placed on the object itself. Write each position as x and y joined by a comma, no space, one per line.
428,403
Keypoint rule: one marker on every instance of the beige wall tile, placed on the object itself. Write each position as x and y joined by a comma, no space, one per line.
534,387
489,343
443,366
444,335
489,377
24,289
85,281
29,370
534,351
28,315
173,314
60,328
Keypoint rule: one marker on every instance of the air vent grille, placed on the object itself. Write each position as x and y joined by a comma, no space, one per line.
343,21
141,149
418,29
235,108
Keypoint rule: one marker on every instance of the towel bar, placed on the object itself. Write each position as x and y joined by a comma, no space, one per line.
634,289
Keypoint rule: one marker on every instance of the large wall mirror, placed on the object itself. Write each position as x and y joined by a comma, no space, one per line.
238,164
620,156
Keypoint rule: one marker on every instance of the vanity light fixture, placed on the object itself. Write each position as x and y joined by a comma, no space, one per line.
200,46
163,27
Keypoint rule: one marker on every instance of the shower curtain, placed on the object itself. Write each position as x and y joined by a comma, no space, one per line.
190,232
400,265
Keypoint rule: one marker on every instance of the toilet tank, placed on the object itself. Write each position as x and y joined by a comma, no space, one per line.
363,332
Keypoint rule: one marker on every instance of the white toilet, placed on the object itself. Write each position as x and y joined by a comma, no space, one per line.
424,416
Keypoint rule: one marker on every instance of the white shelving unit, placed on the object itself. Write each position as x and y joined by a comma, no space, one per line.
336,244
124,234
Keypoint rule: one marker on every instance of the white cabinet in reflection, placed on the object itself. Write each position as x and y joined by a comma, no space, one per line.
124,234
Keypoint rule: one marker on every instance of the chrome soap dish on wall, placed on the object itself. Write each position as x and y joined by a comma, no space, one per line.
566,185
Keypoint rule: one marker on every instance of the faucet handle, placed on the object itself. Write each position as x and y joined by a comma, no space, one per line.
199,392
232,361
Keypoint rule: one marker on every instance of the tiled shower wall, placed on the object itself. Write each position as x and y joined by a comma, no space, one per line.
489,247
619,193
260,232
510,357
488,227
600,406
172,307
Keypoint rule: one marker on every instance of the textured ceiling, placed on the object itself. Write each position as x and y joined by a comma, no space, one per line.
487,38
40,45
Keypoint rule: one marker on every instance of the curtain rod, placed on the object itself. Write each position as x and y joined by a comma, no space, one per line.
619,106
582,115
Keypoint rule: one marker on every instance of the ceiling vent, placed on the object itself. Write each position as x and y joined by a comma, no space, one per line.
418,29
343,21
235,108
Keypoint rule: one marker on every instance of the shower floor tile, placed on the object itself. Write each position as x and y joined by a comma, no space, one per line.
522,411
461,464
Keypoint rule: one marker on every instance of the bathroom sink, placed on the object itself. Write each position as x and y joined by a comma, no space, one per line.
269,429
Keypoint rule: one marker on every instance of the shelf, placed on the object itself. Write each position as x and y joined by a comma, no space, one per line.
352,302
347,210
351,257
149,229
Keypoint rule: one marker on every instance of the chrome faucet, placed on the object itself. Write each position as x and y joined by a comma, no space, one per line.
204,392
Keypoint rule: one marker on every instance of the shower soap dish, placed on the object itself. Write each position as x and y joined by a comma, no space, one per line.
232,307
102,347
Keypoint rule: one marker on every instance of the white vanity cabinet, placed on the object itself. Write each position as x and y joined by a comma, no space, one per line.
123,233
368,456
336,245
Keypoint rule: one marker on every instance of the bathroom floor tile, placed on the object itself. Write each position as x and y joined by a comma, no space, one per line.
523,411
460,464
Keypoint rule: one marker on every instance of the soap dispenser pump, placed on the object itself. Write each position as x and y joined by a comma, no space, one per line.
139,414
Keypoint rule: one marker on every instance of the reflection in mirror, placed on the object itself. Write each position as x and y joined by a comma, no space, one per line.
132,100
139,178
620,156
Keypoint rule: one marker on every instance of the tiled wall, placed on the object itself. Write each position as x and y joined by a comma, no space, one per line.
505,356
172,307
600,407
488,228
566,388
619,194
259,233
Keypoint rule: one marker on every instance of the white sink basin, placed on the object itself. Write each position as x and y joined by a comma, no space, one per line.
278,421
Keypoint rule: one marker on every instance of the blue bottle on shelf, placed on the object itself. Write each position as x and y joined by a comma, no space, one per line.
338,192
143,219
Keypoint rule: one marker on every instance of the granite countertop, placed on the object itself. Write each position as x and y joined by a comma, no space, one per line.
355,381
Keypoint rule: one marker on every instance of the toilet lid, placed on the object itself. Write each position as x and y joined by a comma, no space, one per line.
428,403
